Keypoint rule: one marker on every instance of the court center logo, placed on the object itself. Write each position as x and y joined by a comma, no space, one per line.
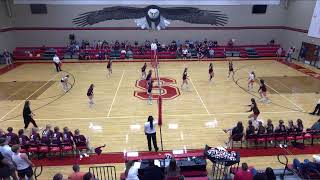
167,87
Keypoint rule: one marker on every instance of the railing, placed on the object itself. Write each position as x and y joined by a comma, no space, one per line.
104,172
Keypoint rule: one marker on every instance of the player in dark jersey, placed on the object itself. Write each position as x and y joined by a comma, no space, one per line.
46,135
263,92
56,137
23,139
143,71
81,140
34,137
12,137
211,73
185,78
67,136
90,95
149,76
150,86
230,68
109,67
254,109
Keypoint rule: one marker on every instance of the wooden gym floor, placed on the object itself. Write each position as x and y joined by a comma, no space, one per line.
194,118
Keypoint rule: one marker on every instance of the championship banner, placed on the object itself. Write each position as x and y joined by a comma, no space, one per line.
314,29
219,154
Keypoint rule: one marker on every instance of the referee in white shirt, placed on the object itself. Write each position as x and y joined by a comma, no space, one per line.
150,131
57,62
317,108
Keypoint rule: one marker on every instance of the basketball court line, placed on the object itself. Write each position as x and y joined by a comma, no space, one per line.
115,95
18,90
199,96
134,70
280,94
28,97
169,115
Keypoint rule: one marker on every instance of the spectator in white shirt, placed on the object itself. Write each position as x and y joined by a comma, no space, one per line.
131,171
289,54
317,108
150,131
7,153
57,62
184,53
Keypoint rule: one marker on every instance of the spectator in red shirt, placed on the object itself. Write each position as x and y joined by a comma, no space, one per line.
76,175
244,173
12,137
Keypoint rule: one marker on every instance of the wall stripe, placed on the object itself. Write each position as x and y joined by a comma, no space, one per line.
136,28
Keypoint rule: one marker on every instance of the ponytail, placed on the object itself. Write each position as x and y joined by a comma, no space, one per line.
150,120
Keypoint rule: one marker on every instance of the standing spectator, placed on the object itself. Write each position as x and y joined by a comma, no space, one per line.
131,172
7,153
152,172
22,163
150,132
7,57
57,62
289,54
172,170
76,175
244,173
279,53
28,115
317,108
12,137
184,53
211,53
4,168
129,54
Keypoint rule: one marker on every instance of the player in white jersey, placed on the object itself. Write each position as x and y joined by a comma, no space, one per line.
251,78
64,83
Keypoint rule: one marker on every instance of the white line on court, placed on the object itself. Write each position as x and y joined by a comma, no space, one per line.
115,95
27,97
172,115
199,96
281,94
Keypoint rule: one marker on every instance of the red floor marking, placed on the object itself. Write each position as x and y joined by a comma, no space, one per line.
302,69
9,68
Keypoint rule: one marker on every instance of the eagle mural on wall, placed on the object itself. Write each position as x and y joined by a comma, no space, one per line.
152,17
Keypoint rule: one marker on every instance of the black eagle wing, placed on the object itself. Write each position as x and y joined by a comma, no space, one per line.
195,15
109,13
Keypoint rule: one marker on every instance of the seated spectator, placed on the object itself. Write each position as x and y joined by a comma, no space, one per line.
291,127
81,141
250,129
260,176
76,175
299,126
307,165
131,172
46,135
123,51
152,172
34,137
316,126
58,176
172,170
271,42
67,136
101,55
281,128
129,54
56,137
269,127
231,42
23,139
211,53
244,173
270,174
261,129
215,43
234,132
88,176
12,137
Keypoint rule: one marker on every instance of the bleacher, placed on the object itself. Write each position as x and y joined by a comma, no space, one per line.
46,53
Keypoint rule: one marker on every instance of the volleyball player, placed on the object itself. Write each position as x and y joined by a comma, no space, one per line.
109,67
254,109
230,68
211,73
64,82
150,86
149,76
263,92
90,95
185,78
143,71
251,78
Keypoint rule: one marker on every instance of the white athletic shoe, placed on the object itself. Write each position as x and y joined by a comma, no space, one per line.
85,154
81,156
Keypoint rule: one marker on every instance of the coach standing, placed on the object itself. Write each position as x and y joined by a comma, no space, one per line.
317,108
57,62
150,131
